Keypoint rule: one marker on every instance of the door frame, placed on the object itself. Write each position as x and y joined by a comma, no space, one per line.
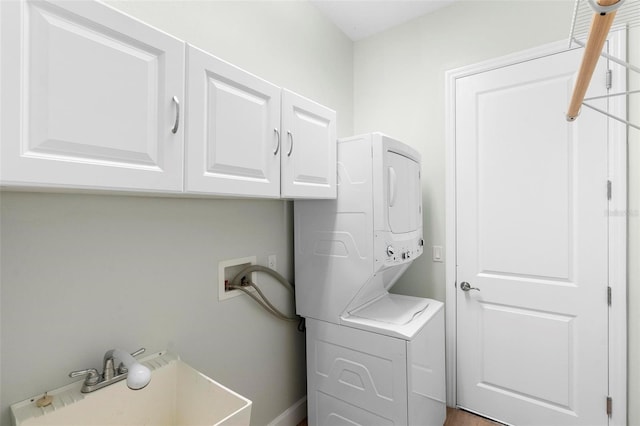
617,262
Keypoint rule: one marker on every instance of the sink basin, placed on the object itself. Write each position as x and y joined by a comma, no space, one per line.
176,395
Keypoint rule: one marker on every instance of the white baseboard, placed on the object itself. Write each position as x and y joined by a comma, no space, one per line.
292,415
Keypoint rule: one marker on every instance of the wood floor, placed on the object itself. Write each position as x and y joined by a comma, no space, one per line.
455,417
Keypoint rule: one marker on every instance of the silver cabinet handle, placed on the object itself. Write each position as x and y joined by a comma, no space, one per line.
290,135
465,286
277,132
174,129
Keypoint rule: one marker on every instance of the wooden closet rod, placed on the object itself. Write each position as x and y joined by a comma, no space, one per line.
600,26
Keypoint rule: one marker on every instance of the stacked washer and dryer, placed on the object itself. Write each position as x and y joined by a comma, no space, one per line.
373,358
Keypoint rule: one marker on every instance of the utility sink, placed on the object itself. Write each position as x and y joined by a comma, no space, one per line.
176,395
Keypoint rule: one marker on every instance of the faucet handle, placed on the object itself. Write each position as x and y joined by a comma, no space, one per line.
138,352
122,369
92,376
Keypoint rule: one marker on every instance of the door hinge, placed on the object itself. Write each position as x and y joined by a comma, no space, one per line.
608,190
609,79
609,296
609,406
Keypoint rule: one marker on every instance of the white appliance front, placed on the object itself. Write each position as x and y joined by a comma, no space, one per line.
358,377
351,250
373,358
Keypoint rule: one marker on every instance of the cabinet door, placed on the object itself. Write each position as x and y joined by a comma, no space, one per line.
308,157
87,98
233,144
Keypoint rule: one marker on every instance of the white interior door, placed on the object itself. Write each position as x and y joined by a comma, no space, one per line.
532,240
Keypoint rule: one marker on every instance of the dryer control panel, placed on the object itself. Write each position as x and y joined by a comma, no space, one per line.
392,250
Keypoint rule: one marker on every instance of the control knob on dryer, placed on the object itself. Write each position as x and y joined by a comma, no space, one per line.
390,251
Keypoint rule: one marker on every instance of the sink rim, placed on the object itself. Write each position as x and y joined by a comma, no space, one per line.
71,394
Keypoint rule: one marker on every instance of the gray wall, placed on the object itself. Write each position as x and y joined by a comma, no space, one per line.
81,274
399,89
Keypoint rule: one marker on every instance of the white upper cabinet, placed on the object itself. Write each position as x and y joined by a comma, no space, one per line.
243,139
94,99
308,154
90,99
233,136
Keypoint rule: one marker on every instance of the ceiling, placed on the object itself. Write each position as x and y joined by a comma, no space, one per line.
359,19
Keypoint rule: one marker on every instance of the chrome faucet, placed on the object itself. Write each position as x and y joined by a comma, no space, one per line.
137,375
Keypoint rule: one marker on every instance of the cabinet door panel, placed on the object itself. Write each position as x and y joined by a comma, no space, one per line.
95,96
308,148
232,142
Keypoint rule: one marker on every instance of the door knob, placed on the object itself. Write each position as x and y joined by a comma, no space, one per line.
465,286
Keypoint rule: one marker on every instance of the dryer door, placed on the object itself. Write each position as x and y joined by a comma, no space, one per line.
402,185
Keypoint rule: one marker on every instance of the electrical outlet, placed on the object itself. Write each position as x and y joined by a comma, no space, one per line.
272,262
227,270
